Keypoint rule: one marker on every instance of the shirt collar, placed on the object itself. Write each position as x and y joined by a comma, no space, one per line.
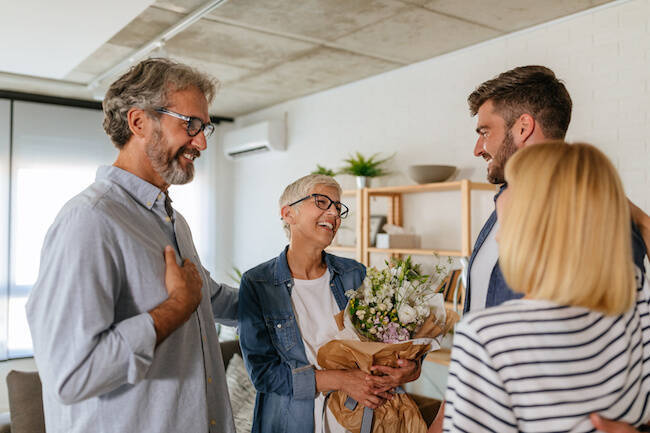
501,189
142,191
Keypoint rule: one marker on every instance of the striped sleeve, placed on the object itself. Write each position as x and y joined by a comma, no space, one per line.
476,397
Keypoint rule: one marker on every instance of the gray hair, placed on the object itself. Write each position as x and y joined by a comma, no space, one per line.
303,187
149,85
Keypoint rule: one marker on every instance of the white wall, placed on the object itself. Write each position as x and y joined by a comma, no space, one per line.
420,112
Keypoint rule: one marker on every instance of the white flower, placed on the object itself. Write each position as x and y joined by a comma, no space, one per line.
382,307
407,314
372,310
402,291
367,292
422,311
361,314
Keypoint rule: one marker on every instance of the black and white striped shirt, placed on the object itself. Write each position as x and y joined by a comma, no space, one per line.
535,366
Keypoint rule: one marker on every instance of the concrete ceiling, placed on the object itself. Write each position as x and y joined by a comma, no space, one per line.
269,51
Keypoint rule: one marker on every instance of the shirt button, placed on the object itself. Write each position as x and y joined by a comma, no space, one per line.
167,219
213,422
159,196
209,380
279,325
148,204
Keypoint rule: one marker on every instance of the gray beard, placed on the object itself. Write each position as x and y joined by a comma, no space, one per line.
168,167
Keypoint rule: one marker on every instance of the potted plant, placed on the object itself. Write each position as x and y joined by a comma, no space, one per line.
324,170
364,168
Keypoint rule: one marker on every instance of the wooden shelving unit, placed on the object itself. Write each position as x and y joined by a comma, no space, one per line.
441,356
395,216
358,247
394,194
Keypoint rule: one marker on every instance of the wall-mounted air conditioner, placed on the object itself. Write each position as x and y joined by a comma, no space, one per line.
260,137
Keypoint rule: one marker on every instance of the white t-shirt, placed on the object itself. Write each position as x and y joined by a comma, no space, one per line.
315,307
481,270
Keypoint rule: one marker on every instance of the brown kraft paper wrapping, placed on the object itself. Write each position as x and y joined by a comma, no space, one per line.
398,415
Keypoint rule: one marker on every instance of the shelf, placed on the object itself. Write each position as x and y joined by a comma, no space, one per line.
362,249
441,356
438,186
351,249
416,251
395,194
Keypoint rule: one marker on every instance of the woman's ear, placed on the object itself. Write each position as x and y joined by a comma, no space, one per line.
288,214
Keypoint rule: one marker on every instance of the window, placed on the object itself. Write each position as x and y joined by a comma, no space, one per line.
54,153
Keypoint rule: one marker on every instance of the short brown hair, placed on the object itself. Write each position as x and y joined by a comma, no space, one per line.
565,233
148,85
534,90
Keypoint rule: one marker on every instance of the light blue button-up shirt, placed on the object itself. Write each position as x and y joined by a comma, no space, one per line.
102,270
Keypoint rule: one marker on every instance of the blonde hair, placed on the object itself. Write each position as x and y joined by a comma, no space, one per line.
303,187
566,234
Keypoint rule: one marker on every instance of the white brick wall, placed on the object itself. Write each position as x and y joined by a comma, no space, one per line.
420,111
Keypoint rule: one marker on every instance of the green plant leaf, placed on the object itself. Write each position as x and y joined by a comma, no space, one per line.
359,165
324,170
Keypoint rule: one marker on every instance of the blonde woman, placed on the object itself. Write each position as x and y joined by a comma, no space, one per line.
578,342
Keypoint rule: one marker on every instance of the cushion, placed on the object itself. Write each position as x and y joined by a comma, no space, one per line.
228,349
242,394
25,402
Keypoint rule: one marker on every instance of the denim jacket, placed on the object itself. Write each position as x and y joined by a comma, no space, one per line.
499,291
272,346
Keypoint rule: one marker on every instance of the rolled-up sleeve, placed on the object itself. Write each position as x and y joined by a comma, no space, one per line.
79,348
304,382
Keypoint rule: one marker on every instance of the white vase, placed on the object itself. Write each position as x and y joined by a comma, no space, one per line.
363,182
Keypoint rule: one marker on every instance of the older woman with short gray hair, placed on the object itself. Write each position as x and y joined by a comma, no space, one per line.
286,313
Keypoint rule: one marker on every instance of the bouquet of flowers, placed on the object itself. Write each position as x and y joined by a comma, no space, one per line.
396,314
394,303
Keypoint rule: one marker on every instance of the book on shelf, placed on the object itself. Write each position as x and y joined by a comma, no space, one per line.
449,284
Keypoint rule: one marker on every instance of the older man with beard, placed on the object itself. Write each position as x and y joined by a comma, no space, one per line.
122,315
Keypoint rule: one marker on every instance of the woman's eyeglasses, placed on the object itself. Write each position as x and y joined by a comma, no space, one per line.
324,202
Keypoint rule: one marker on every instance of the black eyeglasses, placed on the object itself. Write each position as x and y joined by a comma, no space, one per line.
324,202
194,124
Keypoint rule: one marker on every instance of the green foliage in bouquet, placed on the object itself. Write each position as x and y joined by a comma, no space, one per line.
394,302
323,170
411,271
359,165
